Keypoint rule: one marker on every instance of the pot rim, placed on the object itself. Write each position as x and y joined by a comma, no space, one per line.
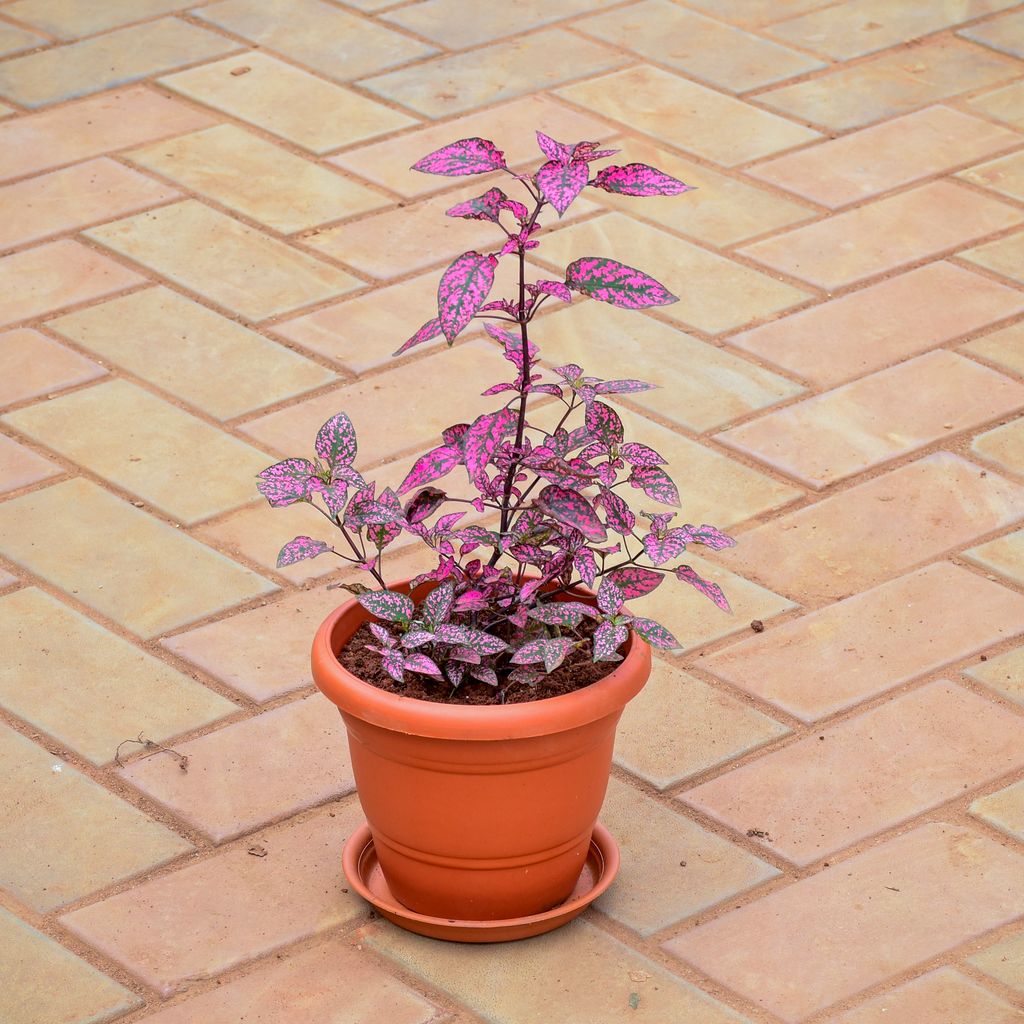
353,696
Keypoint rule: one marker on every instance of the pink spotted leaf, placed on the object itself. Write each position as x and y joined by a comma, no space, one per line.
562,613
388,604
638,180
554,150
608,638
584,562
299,550
437,606
706,587
465,636
423,504
709,536
556,288
635,581
561,183
609,596
654,633
570,507
640,455
550,651
655,483
462,290
483,438
436,463
430,330
485,674
610,281
286,482
623,387
467,156
603,423
485,207
336,441
663,548
422,664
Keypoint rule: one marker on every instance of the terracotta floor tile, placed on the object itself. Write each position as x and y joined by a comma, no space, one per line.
287,101
20,466
755,12
102,62
252,772
679,726
866,26
331,983
1004,348
1004,961
14,40
944,994
170,459
654,890
389,163
1003,810
73,197
73,827
890,84
263,652
853,775
46,984
884,323
413,387
407,239
258,179
884,235
830,936
445,21
699,386
386,316
1005,555
698,46
1003,256
463,81
231,907
720,210
1005,34
1005,175
731,295
90,127
1003,673
591,986
904,518
120,691
869,421
58,274
1003,446
317,35
833,658
688,115
233,265
206,360
67,19
1003,104
885,156
138,571
38,366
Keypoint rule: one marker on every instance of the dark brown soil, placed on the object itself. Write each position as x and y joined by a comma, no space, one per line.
576,672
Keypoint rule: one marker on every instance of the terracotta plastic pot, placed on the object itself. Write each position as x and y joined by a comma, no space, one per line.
477,812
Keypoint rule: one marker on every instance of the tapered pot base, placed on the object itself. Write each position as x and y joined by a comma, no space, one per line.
365,876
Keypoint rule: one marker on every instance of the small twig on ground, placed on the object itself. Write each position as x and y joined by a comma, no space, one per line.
154,748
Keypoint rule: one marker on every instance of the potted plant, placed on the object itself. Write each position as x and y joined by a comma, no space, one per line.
481,698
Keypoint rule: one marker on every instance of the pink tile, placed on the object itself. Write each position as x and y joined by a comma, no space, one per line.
851,926
20,466
36,366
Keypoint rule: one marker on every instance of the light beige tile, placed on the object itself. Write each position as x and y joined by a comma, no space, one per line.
463,81
1005,33
890,84
690,116
172,460
14,40
38,366
287,101
1003,104
755,12
233,265
1004,348
698,386
1004,674
69,19
698,46
58,274
1005,175
716,294
317,35
1003,446
1003,809
1004,961
1002,256
46,984
20,466
117,58
71,198
679,726
206,360
262,181
142,573
73,827
119,691
1004,555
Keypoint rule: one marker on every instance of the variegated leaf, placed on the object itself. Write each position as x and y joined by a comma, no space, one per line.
550,651
430,330
609,597
485,207
393,662
608,638
388,604
638,180
709,536
423,504
655,483
287,482
437,605
654,633
336,441
635,581
462,290
467,156
554,150
615,283
603,423
299,550
570,507
706,587
623,387
562,613
561,183
640,455
464,636
483,437
556,288
484,673
423,665
436,463
618,514
664,547
584,562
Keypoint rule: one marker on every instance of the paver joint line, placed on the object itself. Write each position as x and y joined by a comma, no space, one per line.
209,235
